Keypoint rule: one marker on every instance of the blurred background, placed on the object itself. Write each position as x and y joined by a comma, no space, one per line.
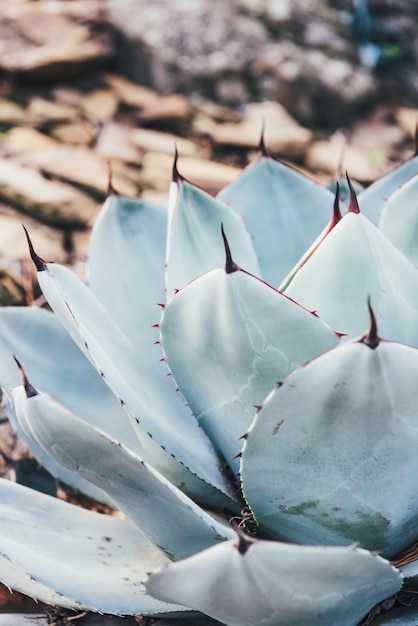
92,86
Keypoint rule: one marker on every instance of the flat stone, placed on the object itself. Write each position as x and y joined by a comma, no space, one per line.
41,41
172,107
52,202
10,112
210,175
407,118
155,141
132,94
115,142
22,139
75,133
333,157
78,165
100,105
41,111
283,135
47,242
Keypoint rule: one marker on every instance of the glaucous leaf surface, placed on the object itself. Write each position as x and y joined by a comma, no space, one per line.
125,268
283,210
373,198
161,511
66,555
228,338
335,450
264,583
399,219
194,244
145,391
353,262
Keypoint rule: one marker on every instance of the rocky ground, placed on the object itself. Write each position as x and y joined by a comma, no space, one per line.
71,119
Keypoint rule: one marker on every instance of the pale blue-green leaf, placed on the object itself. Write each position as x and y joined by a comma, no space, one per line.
168,517
399,220
356,261
228,338
373,198
125,267
284,212
145,389
53,362
331,443
68,556
195,245
269,583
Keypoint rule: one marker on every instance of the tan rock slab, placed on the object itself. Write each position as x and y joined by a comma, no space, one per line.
47,242
10,112
407,117
132,94
333,157
40,110
41,41
115,142
52,202
212,176
282,133
74,133
172,107
166,143
22,139
100,105
78,165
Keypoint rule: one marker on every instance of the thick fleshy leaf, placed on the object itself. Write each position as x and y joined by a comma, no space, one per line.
194,244
145,390
126,264
331,456
168,517
67,556
54,363
399,220
228,338
284,212
264,583
373,198
356,261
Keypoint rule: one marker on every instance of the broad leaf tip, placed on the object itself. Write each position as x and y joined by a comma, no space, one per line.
29,389
353,207
39,263
371,338
230,265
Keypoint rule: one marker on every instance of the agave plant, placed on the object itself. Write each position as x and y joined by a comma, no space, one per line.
270,478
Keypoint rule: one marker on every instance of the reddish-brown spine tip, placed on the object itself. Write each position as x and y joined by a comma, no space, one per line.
353,207
244,542
111,191
177,177
262,145
230,265
39,263
29,389
371,339
336,214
